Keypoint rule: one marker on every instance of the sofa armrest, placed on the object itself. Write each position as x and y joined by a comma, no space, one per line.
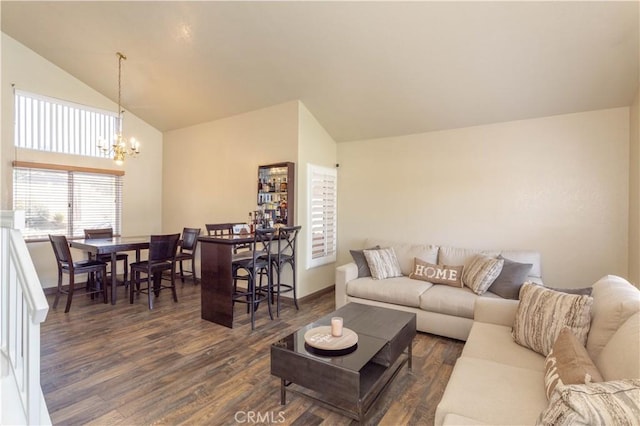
344,274
495,311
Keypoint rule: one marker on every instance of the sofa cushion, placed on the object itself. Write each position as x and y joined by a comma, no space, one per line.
493,393
461,256
614,301
383,263
606,403
543,313
494,342
361,262
568,363
511,278
437,274
406,252
481,272
399,290
620,358
447,300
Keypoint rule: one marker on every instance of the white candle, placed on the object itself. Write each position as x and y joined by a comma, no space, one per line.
336,326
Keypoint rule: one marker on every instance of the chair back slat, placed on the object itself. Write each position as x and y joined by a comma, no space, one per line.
190,238
287,241
163,247
263,242
61,250
98,234
219,229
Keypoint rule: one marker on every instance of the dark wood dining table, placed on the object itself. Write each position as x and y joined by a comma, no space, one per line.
112,246
216,286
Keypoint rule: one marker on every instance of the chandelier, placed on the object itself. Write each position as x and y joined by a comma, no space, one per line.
120,148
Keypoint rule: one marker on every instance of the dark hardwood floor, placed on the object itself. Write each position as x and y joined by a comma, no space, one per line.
126,365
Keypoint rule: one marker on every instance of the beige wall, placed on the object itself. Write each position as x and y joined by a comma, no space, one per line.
558,184
316,147
143,176
211,170
634,191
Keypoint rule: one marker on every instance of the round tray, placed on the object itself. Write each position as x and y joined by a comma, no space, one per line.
321,338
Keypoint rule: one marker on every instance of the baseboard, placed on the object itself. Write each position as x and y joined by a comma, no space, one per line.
317,294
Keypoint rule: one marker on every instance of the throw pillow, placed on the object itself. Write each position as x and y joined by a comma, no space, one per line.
585,290
437,274
543,313
361,262
568,363
383,263
511,278
481,272
616,402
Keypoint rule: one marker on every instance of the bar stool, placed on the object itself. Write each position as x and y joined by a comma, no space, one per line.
255,268
285,255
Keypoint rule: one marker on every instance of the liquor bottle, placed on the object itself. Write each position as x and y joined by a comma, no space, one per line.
251,230
283,185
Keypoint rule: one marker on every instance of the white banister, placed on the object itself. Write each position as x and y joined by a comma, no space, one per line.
23,307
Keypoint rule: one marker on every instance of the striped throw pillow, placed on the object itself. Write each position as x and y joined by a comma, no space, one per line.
383,263
543,313
615,402
481,272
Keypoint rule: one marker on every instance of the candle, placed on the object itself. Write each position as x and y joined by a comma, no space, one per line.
336,326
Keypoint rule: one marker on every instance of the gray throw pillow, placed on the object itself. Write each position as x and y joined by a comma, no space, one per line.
586,291
511,278
361,261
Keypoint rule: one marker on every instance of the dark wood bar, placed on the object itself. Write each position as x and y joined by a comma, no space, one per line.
217,281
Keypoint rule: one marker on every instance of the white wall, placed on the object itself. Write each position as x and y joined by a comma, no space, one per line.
316,147
558,184
634,191
211,169
143,176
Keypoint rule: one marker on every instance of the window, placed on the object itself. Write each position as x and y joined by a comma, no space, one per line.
323,198
65,200
53,125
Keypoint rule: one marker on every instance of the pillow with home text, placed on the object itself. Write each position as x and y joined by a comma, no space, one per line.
437,274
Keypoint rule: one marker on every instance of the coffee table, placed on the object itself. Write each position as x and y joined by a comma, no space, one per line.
349,384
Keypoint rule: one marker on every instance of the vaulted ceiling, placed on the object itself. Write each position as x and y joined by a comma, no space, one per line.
364,69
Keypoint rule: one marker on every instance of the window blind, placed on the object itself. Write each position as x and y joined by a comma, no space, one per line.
48,124
322,190
66,202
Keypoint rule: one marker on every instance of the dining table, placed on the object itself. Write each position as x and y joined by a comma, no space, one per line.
112,246
216,283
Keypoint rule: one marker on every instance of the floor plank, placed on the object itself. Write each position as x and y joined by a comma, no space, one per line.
126,365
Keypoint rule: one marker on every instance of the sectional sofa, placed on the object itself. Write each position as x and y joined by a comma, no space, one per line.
499,382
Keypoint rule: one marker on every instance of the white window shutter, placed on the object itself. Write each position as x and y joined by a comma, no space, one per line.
322,219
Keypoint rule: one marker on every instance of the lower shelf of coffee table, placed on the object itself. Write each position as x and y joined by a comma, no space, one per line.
374,379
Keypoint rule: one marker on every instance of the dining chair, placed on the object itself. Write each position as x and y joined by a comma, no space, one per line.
219,229
66,265
162,257
188,252
255,268
285,255
106,233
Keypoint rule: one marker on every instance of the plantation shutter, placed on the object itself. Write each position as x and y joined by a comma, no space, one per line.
322,215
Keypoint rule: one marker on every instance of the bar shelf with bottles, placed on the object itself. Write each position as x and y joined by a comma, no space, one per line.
275,195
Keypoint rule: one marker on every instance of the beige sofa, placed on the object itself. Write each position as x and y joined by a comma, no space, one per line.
499,382
440,309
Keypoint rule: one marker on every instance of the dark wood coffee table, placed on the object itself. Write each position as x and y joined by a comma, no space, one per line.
349,384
